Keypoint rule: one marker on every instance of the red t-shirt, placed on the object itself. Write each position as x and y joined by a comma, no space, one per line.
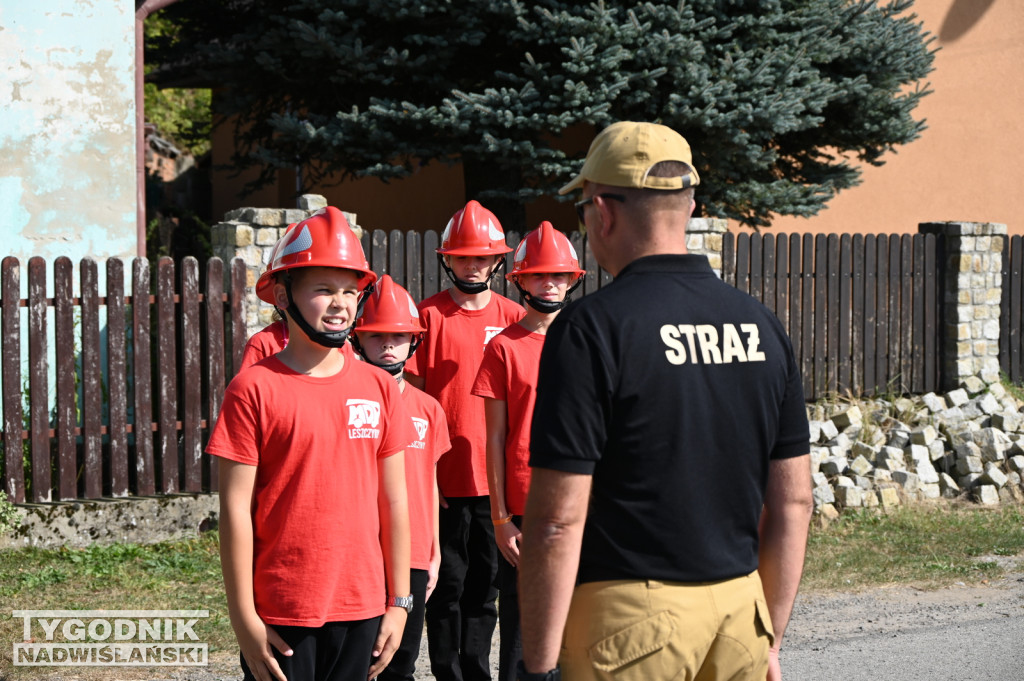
315,443
508,372
271,340
420,458
448,361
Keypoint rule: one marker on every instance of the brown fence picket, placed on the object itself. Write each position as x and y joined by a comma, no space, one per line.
191,377
38,384
820,314
870,310
743,258
10,293
895,316
64,337
781,277
92,383
431,268
844,381
906,310
215,357
413,266
142,468
882,308
807,314
756,281
931,320
167,379
832,314
857,335
116,465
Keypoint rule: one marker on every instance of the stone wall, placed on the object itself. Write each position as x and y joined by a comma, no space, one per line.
250,234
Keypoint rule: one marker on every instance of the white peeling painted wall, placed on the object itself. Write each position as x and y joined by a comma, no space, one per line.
67,129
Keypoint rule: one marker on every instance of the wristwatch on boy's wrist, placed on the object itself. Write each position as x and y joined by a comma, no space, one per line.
550,675
399,602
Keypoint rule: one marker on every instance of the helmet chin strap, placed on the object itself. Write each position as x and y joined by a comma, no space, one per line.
547,306
470,288
328,339
395,369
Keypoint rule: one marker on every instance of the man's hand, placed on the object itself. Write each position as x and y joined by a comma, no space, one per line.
389,636
774,670
432,571
507,536
255,639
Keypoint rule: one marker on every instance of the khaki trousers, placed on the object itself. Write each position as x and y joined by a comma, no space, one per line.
656,631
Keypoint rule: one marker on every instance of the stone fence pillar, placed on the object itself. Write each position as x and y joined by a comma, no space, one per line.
972,286
704,237
250,234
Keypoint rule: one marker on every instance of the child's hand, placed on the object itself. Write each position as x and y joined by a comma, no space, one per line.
255,640
508,537
389,635
432,571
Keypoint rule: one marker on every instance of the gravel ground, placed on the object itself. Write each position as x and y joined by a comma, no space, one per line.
897,633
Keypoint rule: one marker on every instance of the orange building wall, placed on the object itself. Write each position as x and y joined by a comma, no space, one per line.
969,163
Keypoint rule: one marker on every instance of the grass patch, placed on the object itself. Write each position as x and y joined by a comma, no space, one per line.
178,575
924,546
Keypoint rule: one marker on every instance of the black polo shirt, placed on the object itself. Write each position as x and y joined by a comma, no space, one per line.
673,390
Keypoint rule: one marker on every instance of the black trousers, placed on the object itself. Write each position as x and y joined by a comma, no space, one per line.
403,664
510,649
337,651
462,613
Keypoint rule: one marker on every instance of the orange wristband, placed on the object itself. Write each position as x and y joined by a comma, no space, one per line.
503,521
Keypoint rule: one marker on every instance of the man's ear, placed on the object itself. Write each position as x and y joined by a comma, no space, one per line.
280,295
606,215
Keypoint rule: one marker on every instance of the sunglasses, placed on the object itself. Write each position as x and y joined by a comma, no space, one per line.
580,205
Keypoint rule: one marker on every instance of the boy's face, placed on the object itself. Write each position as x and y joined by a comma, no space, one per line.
473,268
549,286
385,348
327,297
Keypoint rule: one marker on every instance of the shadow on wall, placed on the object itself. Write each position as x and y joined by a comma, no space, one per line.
962,17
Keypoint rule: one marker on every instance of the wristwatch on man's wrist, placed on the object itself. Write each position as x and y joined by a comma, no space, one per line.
399,602
550,675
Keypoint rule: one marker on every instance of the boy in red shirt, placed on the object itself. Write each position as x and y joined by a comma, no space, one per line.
386,336
460,322
546,270
314,520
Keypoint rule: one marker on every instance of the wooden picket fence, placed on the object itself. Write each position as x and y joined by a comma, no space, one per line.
863,313
168,356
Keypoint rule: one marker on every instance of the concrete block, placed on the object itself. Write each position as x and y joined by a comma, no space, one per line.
845,419
1016,463
888,497
899,438
948,486
993,476
927,473
930,491
935,403
834,465
823,495
828,431
987,403
862,466
923,436
909,481
969,464
957,398
850,497
986,494
843,481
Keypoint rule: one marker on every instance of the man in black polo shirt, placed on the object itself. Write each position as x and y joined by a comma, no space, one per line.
669,506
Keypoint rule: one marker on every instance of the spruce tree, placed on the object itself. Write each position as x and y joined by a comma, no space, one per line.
781,100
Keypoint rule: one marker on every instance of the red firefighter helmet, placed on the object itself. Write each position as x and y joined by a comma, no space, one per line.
324,239
390,309
545,249
473,230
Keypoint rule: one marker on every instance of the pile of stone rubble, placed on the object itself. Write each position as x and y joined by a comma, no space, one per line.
881,453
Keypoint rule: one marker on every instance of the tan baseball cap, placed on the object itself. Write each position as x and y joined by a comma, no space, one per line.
623,153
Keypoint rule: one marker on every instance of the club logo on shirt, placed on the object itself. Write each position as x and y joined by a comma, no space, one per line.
490,332
363,418
421,432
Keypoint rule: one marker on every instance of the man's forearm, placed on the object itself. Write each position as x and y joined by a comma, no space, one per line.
783,539
552,535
